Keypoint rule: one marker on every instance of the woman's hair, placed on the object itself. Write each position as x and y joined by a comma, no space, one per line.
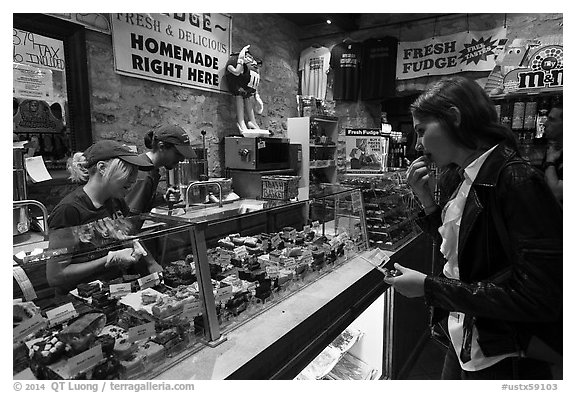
77,165
151,142
479,123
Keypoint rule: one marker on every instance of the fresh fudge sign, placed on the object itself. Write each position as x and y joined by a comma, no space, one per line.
177,48
449,54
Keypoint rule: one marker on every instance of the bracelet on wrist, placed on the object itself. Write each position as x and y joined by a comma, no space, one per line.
548,164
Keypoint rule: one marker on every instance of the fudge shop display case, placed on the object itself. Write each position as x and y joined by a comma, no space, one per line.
261,252
120,323
204,271
390,208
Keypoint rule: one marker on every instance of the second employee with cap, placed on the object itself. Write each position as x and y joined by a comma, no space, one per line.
168,144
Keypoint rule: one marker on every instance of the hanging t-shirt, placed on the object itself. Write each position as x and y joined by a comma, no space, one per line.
314,65
345,62
379,68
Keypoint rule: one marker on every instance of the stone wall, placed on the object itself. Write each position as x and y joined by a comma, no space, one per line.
125,108
367,113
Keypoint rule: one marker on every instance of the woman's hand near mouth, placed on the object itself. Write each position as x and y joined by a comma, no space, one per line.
418,178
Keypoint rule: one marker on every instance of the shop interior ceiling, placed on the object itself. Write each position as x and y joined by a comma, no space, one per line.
315,25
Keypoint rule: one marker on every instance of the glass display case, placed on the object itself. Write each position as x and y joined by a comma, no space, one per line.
261,252
203,271
390,209
114,322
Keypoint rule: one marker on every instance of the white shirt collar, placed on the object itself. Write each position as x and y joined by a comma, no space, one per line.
471,171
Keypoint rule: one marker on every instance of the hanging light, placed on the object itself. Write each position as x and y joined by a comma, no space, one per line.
328,21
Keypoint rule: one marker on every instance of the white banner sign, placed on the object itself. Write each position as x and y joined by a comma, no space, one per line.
36,50
181,49
450,54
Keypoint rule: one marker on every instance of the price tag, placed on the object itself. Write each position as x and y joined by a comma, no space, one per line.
261,144
275,240
61,314
149,281
288,272
86,360
141,332
240,252
225,257
272,271
29,326
315,224
306,228
224,290
119,290
191,310
292,234
356,201
288,262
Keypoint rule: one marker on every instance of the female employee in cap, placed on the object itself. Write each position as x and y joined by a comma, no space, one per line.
168,144
109,169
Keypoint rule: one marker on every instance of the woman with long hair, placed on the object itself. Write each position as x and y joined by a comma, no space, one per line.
501,284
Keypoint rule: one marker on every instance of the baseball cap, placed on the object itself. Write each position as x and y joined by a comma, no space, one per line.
178,137
107,149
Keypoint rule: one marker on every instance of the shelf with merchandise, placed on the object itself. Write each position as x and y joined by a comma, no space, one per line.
390,209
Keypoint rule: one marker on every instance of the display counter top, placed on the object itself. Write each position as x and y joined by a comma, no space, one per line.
206,213
256,339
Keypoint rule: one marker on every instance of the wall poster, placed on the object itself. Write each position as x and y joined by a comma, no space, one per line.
177,48
366,150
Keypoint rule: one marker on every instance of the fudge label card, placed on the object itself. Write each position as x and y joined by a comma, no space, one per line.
86,360
61,314
149,281
119,290
191,310
240,252
141,332
29,326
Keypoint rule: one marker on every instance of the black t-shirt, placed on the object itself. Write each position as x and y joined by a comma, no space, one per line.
76,209
345,62
68,230
142,196
379,68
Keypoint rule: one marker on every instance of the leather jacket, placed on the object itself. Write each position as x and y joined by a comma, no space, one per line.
510,284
